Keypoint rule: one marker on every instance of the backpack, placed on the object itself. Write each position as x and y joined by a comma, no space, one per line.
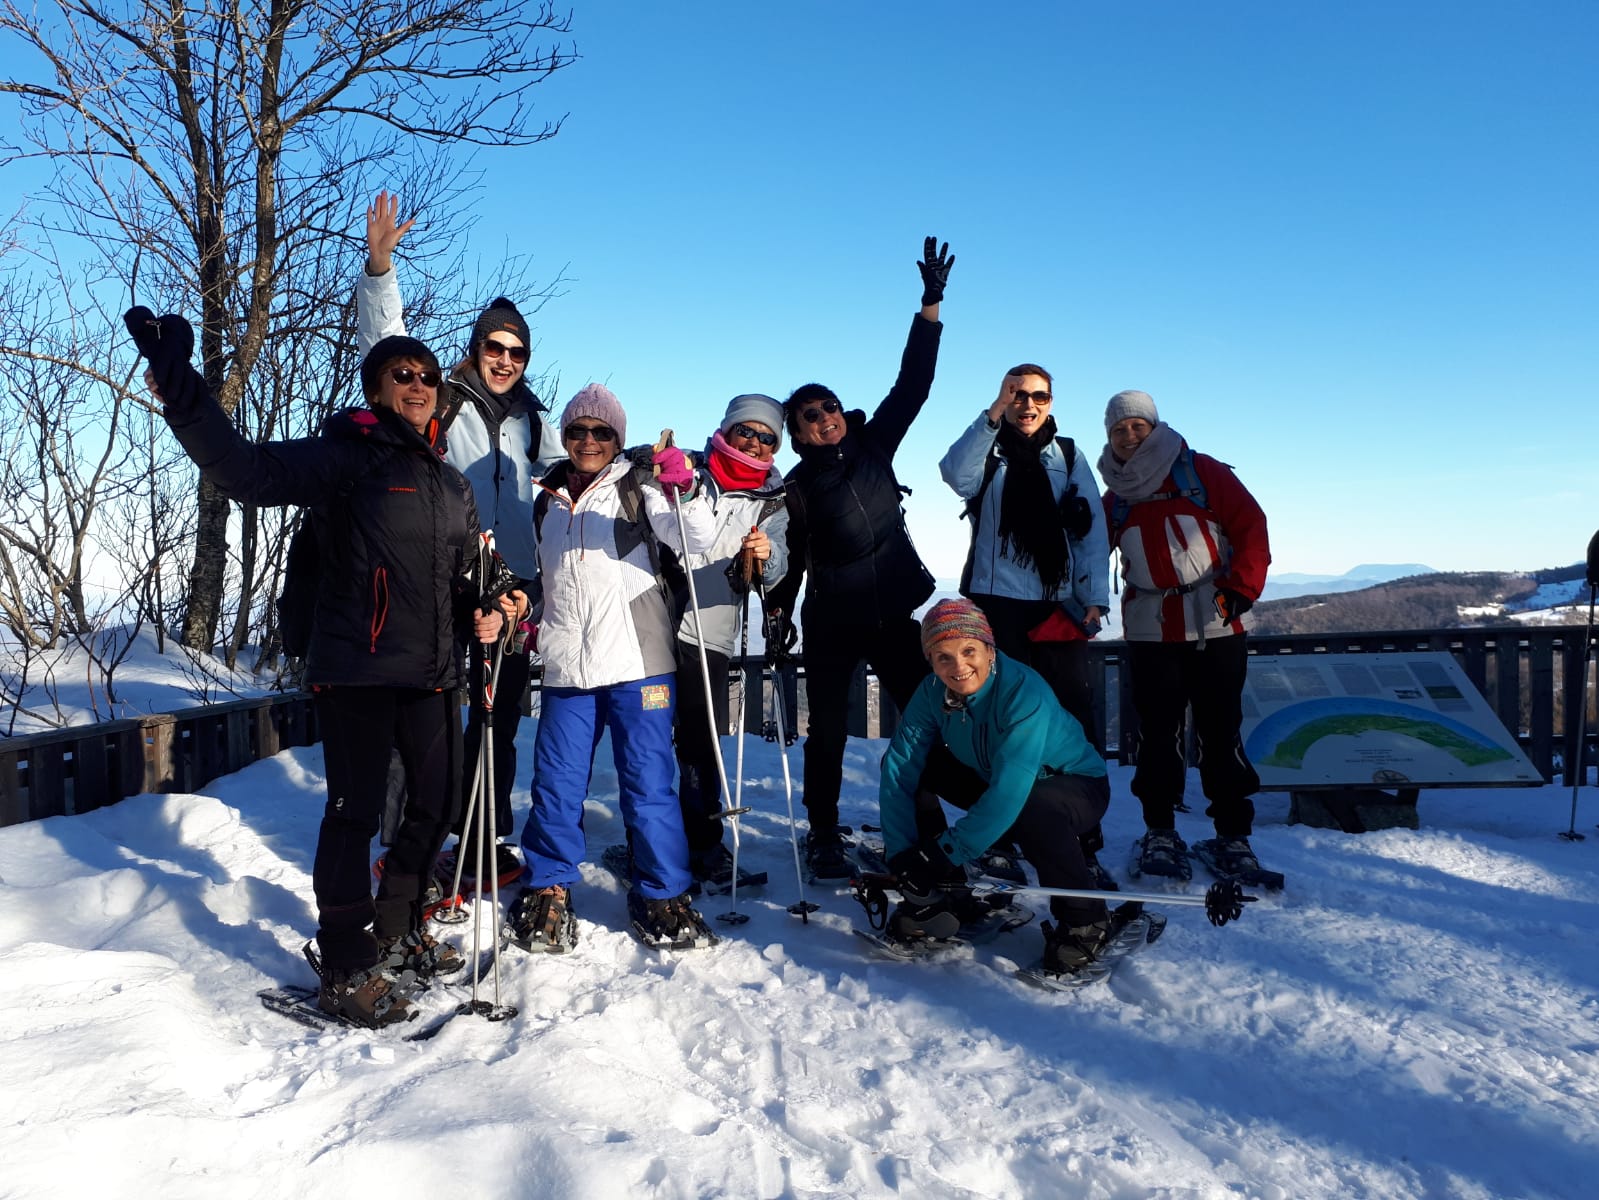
1069,500
1188,486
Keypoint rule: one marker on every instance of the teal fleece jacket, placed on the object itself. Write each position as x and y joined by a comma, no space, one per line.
1013,733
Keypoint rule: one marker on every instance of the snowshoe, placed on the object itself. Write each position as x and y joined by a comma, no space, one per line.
1161,852
713,872
984,918
670,924
507,867
541,920
373,997
1232,858
827,860
421,955
1129,928
1001,864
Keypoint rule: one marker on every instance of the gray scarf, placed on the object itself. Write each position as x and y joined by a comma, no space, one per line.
1141,476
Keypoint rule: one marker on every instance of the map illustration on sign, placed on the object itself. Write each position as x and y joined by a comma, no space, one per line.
1384,720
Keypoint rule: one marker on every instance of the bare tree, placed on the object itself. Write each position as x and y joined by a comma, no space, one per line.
209,153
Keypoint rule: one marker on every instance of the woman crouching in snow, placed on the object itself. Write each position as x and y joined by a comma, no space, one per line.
1034,779
606,637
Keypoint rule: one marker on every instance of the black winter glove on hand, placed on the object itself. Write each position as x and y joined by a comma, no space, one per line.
167,343
780,637
934,267
1231,604
925,873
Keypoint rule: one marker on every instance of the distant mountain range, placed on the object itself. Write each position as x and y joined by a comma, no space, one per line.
1289,583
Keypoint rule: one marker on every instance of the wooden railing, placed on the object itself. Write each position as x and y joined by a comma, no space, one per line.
1532,678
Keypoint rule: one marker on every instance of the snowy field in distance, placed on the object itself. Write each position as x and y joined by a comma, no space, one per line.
1416,1016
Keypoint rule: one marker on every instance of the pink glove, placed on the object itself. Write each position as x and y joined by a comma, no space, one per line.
672,471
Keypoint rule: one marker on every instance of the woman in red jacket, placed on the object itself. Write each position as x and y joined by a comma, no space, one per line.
1194,554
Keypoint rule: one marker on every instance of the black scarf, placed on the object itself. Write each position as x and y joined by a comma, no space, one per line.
1031,532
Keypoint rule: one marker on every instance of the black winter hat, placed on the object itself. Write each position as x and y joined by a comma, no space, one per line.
386,351
500,317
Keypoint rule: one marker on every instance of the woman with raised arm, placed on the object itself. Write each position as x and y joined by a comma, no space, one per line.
848,544
396,605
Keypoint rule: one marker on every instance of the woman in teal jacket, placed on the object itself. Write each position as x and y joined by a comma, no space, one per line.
1034,778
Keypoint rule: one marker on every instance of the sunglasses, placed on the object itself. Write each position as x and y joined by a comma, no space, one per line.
812,415
405,375
494,349
744,431
1035,397
603,434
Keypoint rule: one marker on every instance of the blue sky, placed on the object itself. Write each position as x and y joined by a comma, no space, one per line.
1349,248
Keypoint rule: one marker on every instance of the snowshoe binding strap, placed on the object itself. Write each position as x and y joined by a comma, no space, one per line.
871,893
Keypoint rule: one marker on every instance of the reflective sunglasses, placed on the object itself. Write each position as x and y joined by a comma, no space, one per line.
744,431
494,349
405,375
812,415
603,434
1035,397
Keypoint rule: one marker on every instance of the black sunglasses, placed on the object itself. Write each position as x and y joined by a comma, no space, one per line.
603,434
492,348
404,375
1035,397
813,415
744,431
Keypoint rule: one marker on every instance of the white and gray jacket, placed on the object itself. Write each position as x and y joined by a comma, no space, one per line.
994,573
500,467
605,619
736,513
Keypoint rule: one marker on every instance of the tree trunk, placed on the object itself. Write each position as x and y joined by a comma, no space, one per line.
206,575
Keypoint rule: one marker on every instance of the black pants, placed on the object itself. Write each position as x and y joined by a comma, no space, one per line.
699,791
1059,810
514,672
1064,666
361,727
893,650
1166,678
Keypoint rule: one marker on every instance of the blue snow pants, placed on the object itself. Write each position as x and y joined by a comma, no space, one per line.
571,722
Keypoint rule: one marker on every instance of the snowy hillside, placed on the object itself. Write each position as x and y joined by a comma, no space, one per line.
1414,1017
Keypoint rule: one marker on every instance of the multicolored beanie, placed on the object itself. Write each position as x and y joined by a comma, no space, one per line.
600,402
958,618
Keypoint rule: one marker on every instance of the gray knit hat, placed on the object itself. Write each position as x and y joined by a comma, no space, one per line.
597,401
755,407
1130,404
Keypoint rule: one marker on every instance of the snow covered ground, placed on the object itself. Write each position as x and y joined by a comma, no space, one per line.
1415,1016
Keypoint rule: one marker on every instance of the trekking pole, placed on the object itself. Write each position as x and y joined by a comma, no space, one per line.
730,812
1571,834
801,908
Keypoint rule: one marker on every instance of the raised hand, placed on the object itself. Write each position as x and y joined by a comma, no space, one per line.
383,233
167,344
935,266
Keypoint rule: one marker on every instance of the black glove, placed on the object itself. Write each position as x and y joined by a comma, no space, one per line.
167,343
934,267
1231,604
780,637
925,873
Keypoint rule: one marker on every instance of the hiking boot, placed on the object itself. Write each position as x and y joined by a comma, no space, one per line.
1102,878
541,920
824,855
670,922
421,954
912,922
1234,856
1070,949
371,998
1002,864
712,866
1164,853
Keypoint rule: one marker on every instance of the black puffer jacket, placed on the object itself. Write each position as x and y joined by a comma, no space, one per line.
394,524
846,531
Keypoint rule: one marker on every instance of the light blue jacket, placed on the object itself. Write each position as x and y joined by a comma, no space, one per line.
1013,733
993,572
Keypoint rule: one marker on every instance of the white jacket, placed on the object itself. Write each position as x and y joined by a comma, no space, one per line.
993,572
735,513
605,620
501,474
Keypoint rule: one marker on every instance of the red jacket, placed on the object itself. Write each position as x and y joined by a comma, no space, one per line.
1175,555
